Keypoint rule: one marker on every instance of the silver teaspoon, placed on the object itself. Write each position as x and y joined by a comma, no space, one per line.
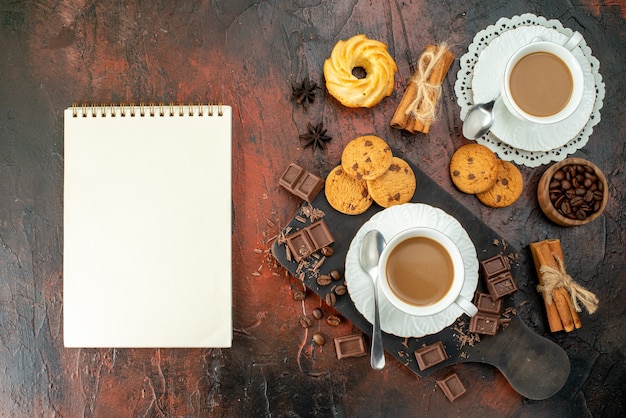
479,119
371,248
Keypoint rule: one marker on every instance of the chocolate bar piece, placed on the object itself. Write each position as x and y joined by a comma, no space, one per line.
350,346
300,182
430,355
501,285
320,235
452,387
483,323
485,303
494,266
309,239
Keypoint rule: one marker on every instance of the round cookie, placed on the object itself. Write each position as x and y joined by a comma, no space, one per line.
368,54
366,157
345,193
507,188
473,168
395,187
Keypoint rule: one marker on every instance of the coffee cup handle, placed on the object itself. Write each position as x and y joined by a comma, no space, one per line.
573,41
468,307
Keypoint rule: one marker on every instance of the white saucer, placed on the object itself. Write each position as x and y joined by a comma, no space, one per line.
465,95
487,82
389,222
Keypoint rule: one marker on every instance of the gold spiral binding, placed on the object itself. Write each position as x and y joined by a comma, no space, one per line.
143,109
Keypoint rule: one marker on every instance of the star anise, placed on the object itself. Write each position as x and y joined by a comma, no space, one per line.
304,92
315,137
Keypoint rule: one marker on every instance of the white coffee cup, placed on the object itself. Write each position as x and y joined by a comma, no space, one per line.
421,272
542,101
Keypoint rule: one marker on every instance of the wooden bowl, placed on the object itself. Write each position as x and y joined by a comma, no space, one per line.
547,205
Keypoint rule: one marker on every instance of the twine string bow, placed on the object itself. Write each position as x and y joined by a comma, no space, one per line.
554,278
424,107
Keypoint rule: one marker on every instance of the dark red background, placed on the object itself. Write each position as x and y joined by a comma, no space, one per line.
248,54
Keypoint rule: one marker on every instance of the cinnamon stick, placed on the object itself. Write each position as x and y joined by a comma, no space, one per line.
560,311
401,118
539,259
556,250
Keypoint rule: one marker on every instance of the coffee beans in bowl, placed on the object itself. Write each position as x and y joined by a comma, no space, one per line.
572,192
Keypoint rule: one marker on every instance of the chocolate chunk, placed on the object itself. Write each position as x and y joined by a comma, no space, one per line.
310,239
483,323
350,346
485,303
452,387
300,182
320,234
494,266
300,244
501,285
430,355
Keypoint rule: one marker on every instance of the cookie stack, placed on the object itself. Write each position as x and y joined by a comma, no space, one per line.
475,169
369,173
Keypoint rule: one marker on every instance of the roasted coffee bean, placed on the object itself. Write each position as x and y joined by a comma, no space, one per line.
576,201
299,295
555,184
554,194
597,195
317,313
327,251
566,208
341,290
596,205
566,184
335,274
588,196
570,193
330,299
324,280
587,183
319,339
581,215
559,175
580,191
305,322
333,320
558,202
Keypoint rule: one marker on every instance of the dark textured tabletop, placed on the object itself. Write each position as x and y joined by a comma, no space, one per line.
248,55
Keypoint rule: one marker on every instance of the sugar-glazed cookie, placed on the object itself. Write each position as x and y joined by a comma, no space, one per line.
473,168
507,188
394,187
366,157
345,193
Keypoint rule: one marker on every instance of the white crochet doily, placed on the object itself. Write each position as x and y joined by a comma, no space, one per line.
465,99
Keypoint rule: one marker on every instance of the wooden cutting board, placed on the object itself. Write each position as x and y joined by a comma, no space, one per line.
534,366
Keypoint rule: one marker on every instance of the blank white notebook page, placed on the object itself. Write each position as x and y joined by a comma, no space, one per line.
147,228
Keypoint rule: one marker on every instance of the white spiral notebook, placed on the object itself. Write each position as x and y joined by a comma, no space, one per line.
147,226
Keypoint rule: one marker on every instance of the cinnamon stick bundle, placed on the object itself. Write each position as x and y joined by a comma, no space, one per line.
560,310
416,110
